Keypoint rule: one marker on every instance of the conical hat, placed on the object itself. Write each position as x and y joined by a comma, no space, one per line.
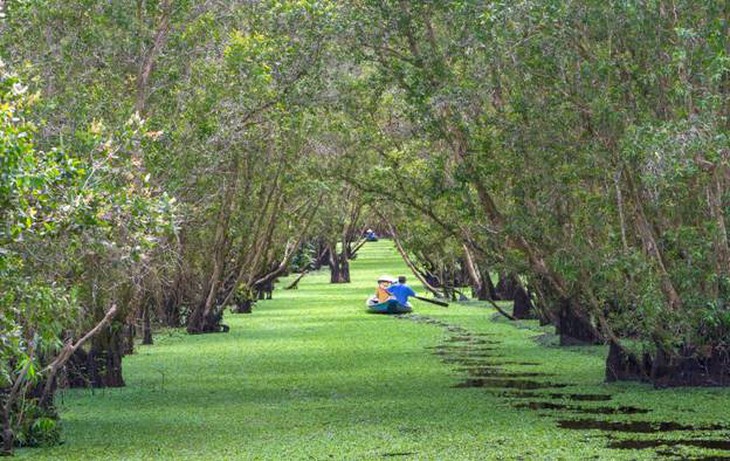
386,278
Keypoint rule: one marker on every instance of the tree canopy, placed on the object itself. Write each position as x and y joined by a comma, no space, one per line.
164,160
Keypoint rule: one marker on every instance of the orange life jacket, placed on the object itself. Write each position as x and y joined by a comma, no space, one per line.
382,294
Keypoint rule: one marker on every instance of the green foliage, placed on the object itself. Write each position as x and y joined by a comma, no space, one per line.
68,220
304,258
45,432
33,311
37,428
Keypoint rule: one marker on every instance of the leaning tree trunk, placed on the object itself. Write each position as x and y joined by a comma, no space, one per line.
485,289
206,315
543,302
573,327
295,284
481,282
407,260
490,291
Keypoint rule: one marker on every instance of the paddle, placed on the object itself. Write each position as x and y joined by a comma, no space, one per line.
433,301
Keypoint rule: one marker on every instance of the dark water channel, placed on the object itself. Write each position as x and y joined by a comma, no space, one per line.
481,361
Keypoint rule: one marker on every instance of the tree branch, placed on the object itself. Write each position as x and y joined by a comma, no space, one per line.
407,259
70,348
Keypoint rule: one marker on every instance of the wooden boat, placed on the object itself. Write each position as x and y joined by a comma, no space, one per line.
390,306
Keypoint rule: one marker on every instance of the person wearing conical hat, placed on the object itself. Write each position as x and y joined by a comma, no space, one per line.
384,281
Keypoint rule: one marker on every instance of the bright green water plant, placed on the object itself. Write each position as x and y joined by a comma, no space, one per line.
310,375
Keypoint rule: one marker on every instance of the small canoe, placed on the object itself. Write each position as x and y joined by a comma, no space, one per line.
388,307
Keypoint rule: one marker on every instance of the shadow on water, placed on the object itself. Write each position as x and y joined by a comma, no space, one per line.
463,348
508,383
467,362
703,458
709,444
673,455
468,339
627,410
484,372
455,356
483,366
583,397
644,427
557,396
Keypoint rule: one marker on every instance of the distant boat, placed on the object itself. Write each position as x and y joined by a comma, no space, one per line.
390,306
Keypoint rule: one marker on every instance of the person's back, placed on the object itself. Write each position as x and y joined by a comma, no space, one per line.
401,291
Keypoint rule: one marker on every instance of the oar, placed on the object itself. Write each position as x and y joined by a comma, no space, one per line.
432,301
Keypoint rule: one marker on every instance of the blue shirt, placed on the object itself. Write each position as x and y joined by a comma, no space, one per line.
401,292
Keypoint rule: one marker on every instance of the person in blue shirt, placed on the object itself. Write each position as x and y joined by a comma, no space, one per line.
371,236
401,291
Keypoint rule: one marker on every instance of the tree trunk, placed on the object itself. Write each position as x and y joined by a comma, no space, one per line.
689,366
339,264
649,241
206,317
295,284
128,335
105,359
409,263
506,286
245,306
344,269
716,192
206,321
322,255
171,301
544,309
574,328
7,430
147,325
686,366
339,270
623,366
148,60
490,291
99,368
481,282
244,301
522,307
